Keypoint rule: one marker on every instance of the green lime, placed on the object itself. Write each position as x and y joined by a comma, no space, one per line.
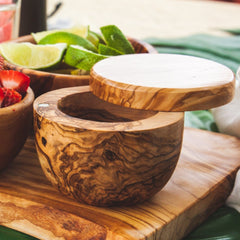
93,38
81,58
99,36
69,39
82,31
106,50
114,38
33,56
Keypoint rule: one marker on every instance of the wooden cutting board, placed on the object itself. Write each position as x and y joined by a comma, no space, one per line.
200,184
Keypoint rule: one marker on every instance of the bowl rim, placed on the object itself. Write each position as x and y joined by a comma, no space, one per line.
17,107
30,71
54,114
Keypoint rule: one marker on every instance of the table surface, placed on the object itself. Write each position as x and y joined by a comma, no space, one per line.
150,18
30,204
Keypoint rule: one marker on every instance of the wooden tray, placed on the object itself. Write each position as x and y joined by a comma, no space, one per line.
200,184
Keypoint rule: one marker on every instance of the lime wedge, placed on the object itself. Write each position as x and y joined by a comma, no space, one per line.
33,56
106,50
81,58
69,39
81,31
114,38
99,36
93,38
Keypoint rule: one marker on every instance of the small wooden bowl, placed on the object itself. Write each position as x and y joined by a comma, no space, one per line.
42,82
104,154
15,123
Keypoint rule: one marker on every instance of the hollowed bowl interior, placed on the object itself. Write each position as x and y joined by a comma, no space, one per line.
89,107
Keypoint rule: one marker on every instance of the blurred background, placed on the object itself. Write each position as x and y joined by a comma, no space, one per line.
147,18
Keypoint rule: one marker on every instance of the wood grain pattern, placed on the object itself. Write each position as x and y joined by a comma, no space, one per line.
42,81
15,122
201,182
103,154
162,82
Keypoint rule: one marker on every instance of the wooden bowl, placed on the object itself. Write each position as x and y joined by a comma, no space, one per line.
15,123
104,154
42,82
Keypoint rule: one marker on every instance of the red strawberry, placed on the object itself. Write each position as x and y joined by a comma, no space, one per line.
14,80
10,97
1,97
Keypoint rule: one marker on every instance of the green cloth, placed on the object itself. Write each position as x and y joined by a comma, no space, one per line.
222,225
10,234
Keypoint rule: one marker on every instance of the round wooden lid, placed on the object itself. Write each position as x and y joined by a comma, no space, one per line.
162,82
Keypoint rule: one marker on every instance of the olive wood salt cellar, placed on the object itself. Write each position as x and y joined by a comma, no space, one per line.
117,141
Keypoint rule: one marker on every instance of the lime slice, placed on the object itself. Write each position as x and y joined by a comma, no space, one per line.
69,39
33,56
81,58
114,38
81,31
106,50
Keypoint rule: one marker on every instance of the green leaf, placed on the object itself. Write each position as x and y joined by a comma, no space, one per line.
202,119
222,225
232,64
233,31
219,47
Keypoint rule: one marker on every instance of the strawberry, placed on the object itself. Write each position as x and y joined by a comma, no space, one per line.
14,80
1,96
10,97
